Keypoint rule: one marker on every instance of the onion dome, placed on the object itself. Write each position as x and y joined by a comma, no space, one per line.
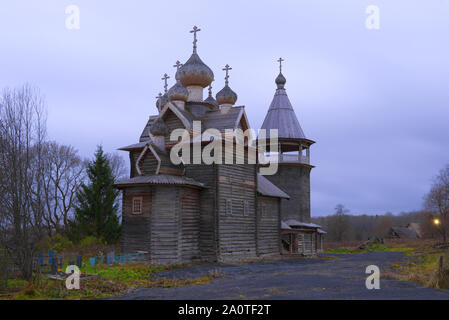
178,91
195,73
226,95
158,127
210,99
163,99
280,81
158,101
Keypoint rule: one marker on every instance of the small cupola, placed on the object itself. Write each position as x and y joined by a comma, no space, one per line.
178,93
226,98
163,99
280,81
211,100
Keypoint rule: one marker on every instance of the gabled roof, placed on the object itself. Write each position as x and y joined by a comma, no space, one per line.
222,121
281,116
402,232
184,116
266,188
145,133
135,146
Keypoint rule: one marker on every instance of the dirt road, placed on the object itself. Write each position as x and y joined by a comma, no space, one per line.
326,277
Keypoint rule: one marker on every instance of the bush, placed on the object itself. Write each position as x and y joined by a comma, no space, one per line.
57,243
91,241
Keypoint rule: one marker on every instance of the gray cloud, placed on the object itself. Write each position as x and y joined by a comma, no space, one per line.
376,102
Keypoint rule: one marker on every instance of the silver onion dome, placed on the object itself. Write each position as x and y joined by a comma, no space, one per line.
163,99
178,91
280,81
226,96
210,99
195,73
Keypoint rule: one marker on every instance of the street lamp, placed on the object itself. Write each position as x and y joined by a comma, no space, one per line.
436,221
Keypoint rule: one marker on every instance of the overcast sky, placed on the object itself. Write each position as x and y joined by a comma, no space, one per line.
375,101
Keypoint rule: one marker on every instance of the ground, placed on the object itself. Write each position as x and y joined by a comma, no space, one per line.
329,276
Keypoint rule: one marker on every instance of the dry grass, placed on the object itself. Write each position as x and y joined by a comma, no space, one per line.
110,281
422,267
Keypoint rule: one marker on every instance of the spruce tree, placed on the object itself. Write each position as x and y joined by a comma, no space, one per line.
96,208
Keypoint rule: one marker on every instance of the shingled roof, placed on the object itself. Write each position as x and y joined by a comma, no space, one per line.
220,121
267,188
281,116
159,179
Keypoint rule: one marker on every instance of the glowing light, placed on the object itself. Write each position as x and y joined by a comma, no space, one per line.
436,221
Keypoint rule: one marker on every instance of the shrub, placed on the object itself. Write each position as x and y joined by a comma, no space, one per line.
90,241
57,243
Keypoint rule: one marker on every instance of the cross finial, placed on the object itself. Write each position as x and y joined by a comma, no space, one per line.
227,68
280,64
194,31
177,65
165,78
210,90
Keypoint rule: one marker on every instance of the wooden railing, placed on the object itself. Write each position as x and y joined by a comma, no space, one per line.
286,158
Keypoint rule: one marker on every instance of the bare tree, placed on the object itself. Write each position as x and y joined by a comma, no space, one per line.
437,200
339,224
62,177
383,224
23,130
118,166
119,171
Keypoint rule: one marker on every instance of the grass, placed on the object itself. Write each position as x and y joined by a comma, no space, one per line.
109,281
371,248
388,246
421,266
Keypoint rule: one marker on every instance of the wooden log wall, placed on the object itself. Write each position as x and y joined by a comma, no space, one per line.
172,122
165,225
207,219
136,235
237,231
268,225
190,216
148,163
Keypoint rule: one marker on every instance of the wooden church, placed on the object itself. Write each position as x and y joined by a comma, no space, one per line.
216,211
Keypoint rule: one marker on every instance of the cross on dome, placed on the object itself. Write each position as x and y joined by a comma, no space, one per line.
195,40
280,64
165,78
177,65
227,68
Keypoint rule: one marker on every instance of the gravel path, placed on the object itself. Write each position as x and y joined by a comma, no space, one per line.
325,277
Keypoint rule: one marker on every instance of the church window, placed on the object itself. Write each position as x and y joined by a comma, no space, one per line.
228,206
137,205
263,210
245,207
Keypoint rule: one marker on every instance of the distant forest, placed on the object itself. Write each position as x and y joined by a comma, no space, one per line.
343,226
